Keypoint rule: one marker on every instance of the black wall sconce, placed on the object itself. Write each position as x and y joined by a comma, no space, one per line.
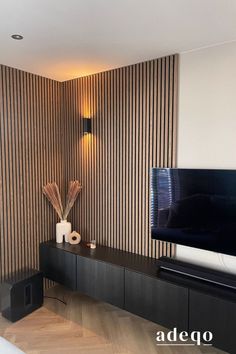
86,125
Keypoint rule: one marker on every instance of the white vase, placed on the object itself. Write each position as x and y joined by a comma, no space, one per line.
63,229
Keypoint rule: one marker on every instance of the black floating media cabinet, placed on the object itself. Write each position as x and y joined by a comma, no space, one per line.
132,282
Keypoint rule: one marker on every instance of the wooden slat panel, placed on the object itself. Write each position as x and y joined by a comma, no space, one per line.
30,156
133,113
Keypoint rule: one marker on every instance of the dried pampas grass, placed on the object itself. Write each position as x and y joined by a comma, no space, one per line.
73,191
51,191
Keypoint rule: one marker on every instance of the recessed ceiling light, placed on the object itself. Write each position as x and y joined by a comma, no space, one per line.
18,37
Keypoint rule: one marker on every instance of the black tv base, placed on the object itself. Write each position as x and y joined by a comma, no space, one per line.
207,275
132,282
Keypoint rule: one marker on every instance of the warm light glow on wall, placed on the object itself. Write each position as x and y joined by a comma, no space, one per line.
86,143
87,139
86,111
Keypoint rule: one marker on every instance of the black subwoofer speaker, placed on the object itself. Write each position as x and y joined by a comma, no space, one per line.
21,294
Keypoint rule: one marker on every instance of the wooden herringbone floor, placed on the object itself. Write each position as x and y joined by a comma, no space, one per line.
86,326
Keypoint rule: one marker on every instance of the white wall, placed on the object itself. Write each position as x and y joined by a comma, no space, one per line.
207,124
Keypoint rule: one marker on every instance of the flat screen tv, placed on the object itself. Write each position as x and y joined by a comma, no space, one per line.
194,207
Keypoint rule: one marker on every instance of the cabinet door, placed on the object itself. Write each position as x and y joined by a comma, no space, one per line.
58,265
156,300
209,313
101,280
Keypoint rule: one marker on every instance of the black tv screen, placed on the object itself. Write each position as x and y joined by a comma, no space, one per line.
194,207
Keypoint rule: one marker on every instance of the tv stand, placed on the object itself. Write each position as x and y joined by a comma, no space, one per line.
207,275
189,298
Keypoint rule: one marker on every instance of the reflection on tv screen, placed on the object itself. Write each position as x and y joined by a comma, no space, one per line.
195,208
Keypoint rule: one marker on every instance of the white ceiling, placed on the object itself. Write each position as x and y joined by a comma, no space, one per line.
72,38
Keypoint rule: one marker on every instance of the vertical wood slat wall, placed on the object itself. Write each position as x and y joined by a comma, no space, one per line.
134,117
133,111
30,155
